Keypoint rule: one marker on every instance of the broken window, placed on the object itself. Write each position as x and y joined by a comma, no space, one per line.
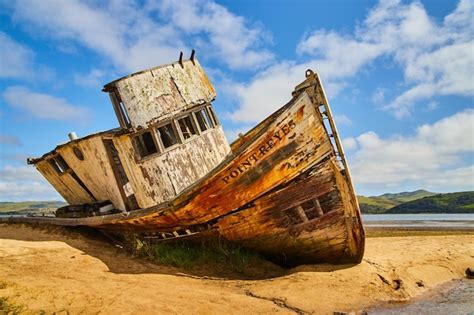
292,216
304,212
167,135
120,110
213,115
312,209
187,127
144,144
59,164
203,119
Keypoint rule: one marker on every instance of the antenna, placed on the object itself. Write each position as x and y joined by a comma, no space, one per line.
192,56
181,59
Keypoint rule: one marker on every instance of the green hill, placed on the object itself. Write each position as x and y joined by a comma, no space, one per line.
460,202
30,207
375,205
380,204
407,196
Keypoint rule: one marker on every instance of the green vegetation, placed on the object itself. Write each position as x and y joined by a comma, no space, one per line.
9,308
30,207
380,204
375,205
420,201
408,196
461,202
387,232
188,254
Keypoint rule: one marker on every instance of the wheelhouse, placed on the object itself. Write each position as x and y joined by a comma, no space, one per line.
168,138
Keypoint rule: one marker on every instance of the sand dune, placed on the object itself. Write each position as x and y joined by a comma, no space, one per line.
55,270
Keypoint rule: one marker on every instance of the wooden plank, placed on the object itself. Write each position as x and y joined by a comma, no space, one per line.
94,170
301,213
318,208
65,185
161,177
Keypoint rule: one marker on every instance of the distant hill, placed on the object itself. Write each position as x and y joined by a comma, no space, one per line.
419,201
408,196
380,204
377,202
460,202
30,207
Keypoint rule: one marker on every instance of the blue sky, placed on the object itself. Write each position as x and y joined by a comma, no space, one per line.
399,77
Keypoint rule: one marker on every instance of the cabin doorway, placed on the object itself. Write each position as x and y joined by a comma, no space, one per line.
128,196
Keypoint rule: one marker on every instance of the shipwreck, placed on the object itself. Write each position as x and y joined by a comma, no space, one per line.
167,172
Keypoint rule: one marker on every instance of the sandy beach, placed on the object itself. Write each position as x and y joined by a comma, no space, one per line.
63,271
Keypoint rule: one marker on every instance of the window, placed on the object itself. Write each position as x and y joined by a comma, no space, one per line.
120,110
312,209
203,119
167,135
144,144
59,164
213,115
304,212
187,127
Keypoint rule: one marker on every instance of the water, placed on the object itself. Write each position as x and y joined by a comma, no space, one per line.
437,220
453,298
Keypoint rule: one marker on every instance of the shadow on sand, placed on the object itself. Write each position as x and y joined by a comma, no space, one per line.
118,260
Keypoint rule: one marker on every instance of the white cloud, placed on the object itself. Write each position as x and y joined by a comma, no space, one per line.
436,59
132,36
379,96
342,120
349,144
18,183
271,89
13,157
90,79
15,59
235,43
256,100
43,106
10,140
435,152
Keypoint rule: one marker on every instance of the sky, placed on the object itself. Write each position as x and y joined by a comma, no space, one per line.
399,77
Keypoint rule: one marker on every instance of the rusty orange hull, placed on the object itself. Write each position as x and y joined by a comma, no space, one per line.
285,191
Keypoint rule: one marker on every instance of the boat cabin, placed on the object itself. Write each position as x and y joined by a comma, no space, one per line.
168,138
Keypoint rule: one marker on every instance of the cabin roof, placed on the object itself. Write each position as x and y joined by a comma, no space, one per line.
109,86
110,132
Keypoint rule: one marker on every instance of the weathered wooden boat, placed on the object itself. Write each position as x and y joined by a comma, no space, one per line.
168,173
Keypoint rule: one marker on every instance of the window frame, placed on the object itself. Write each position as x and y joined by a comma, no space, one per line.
155,141
173,123
193,122
213,115
200,109
56,165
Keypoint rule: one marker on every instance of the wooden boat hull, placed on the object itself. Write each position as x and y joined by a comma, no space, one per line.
273,227
285,191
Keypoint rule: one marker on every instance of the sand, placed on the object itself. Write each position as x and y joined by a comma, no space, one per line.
55,270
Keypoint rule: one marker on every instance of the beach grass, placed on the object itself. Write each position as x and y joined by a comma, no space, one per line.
10,308
187,254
